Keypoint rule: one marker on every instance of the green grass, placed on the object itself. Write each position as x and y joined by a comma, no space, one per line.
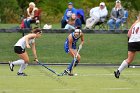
8,26
98,48
89,80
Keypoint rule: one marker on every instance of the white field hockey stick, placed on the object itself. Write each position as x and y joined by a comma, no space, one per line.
75,58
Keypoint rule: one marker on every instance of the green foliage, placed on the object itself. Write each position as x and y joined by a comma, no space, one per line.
53,10
9,11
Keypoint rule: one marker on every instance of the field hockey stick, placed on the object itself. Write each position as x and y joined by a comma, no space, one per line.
53,71
75,58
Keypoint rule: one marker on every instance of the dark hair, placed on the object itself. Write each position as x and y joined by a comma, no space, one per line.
36,30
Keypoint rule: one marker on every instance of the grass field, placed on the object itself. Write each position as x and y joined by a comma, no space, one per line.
98,48
90,79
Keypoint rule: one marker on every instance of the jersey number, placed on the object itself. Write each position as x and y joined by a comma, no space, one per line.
135,30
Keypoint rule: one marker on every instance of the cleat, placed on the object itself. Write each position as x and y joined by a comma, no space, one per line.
21,74
70,74
11,66
66,72
117,73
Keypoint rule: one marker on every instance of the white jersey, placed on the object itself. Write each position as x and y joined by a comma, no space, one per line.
21,42
135,35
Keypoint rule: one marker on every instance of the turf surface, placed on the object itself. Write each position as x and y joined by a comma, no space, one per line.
90,79
97,49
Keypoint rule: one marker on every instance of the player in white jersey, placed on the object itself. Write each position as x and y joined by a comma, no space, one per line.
25,42
133,46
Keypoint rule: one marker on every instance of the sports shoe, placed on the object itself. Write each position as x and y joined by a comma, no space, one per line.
66,72
70,74
11,66
117,73
21,74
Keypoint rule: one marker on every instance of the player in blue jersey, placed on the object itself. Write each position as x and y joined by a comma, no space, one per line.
70,48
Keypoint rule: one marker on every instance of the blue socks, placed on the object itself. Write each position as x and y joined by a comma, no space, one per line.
71,64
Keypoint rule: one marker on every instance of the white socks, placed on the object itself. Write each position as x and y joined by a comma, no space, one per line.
122,66
22,63
18,62
22,67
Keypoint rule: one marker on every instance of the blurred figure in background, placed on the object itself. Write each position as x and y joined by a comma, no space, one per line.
73,22
95,15
69,11
32,16
117,14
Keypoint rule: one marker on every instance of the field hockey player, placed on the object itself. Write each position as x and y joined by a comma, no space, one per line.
27,41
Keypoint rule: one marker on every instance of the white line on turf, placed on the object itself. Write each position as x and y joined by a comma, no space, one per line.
117,88
81,75
65,89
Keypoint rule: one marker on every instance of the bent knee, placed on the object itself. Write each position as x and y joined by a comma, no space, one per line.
79,58
26,61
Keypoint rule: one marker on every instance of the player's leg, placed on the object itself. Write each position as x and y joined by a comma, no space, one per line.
68,70
23,61
77,60
74,61
24,56
125,63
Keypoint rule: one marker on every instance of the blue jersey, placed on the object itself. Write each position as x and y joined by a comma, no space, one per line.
66,45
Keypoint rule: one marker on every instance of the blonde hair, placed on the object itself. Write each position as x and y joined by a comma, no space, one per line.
32,3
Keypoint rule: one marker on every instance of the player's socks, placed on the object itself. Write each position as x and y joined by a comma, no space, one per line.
76,63
70,65
22,67
122,66
18,62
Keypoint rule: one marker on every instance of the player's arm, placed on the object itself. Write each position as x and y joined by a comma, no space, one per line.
70,45
27,39
34,51
82,39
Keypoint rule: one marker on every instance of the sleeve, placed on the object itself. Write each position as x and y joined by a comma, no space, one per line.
65,15
111,14
105,13
91,12
121,13
74,11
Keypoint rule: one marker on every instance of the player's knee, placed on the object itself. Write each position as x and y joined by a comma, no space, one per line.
26,60
79,58
129,61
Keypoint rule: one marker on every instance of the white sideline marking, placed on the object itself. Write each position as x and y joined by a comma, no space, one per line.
106,75
117,88
81,75
65,89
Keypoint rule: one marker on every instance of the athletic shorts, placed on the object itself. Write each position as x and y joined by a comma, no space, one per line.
66,47
134,46
18,50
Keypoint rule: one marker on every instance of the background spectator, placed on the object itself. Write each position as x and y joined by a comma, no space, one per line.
73,22
68,14
95,15
31,16
117,14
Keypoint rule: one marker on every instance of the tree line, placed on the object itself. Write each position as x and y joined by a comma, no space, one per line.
53,10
